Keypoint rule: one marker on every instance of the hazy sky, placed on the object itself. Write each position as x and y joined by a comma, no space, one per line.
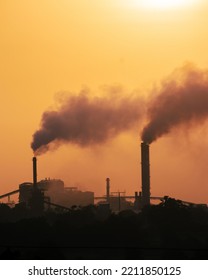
55,47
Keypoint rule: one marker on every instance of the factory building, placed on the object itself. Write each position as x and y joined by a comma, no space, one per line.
55,192
52,191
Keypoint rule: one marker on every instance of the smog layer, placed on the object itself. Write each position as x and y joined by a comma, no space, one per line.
86,121
182,99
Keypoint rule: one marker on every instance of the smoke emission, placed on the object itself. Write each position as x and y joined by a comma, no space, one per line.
86,121
181,100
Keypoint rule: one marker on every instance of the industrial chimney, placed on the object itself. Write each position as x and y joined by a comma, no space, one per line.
36,202
108,190
34,172
145,174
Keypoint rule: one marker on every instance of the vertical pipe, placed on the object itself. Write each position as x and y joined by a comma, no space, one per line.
145,165
34,172
108,190
119,201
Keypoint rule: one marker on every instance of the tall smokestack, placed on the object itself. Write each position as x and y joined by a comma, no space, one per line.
108,190
145,174
34,172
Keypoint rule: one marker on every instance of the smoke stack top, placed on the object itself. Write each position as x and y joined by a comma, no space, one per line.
181,100
86,121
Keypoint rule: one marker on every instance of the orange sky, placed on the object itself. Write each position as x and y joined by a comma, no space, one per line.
50,46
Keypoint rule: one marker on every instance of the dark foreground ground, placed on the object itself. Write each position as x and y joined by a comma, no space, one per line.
170,230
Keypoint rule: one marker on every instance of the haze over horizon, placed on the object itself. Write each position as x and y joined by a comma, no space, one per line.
56,48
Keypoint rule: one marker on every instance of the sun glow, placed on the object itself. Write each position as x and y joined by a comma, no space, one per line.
161,4
165,4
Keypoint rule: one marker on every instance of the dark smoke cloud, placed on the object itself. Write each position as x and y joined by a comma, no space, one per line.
86,121
181,100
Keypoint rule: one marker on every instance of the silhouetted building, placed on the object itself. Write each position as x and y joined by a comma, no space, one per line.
25,193
54,190
36,202
138,201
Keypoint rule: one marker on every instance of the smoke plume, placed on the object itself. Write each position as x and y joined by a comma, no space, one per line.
86,121
181,100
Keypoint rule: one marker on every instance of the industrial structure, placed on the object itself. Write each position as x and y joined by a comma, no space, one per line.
55,192
145,174
117,200
47,193
52,192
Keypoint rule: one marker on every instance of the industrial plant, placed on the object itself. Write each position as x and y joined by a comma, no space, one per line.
53,221
53,194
